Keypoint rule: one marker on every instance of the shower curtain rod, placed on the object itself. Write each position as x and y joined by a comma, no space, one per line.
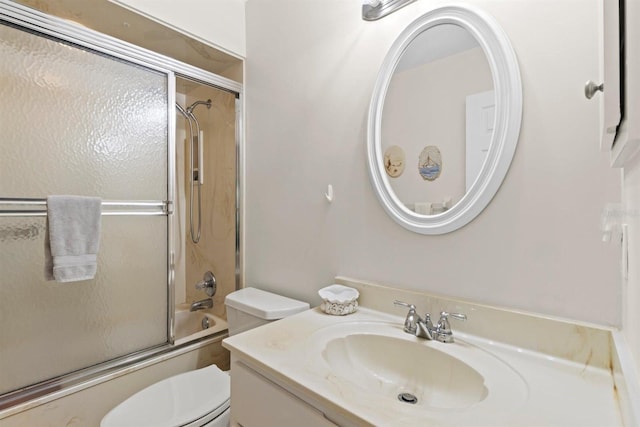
118,207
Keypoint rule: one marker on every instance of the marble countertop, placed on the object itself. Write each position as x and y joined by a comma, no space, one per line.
559,392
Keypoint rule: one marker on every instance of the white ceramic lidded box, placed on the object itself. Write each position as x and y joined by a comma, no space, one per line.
339,300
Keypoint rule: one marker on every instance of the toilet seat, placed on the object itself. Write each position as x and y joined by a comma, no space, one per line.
186,400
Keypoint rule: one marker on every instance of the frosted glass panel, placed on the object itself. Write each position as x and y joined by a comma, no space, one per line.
50,328
73,121
76,122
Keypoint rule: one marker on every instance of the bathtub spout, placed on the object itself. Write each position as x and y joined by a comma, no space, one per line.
201,305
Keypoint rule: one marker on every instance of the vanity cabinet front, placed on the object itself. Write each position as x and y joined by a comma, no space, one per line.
258,402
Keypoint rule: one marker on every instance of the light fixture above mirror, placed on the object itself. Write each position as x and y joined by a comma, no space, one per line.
375,9
443,184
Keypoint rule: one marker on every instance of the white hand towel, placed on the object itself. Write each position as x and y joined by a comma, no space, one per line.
72,238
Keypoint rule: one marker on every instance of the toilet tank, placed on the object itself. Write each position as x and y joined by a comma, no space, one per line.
250,307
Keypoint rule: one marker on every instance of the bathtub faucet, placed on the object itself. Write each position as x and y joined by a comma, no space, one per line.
201,305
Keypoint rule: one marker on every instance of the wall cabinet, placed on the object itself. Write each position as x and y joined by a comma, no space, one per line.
258,402
610,111
620,108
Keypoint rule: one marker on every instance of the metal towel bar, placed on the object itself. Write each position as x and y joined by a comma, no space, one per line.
110,207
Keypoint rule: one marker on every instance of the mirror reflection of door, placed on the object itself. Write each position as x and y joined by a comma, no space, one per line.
425,105
481,114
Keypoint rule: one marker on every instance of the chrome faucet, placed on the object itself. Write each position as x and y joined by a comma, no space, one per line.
424,328
201,305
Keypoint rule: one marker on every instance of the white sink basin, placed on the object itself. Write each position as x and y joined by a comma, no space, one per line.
389,365
395,366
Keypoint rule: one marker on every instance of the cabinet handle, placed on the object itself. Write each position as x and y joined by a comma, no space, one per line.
590,89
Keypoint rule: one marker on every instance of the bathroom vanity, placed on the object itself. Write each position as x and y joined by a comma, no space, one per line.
262,402
503,368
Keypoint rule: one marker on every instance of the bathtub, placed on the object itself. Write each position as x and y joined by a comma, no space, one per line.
191,326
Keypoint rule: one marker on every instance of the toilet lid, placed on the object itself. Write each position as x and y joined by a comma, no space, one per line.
173,402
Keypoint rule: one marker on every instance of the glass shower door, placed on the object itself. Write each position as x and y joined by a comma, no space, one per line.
77,121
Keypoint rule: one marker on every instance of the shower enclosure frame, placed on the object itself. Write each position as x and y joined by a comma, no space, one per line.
22,17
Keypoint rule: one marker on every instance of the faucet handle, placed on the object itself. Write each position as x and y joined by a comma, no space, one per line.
412,319
404,304
208,283
443,329
459,316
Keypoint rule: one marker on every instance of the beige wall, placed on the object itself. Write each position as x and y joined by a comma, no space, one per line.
310,72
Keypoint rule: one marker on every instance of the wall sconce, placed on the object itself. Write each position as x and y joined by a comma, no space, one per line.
376,9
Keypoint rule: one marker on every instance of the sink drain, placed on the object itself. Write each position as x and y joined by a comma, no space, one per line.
407,398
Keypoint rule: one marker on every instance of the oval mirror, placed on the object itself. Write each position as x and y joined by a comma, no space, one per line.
444,119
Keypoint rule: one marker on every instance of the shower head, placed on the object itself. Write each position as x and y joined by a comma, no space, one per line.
194,137
191,107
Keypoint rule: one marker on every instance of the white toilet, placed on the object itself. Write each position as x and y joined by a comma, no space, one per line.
200,398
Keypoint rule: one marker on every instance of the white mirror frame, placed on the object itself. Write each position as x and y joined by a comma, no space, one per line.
508,114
